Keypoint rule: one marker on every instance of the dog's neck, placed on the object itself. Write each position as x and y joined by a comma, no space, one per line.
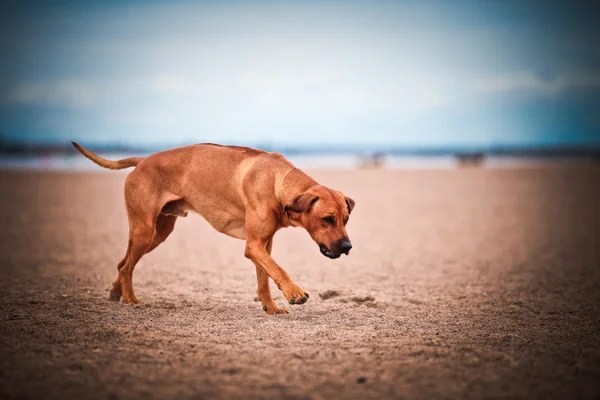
294,183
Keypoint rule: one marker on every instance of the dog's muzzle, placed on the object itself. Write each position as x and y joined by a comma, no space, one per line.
328,253
345,247
342,247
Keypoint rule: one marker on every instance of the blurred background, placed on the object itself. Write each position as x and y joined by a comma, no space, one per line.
329,84
462,284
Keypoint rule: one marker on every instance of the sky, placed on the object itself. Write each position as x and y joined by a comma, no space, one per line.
403,73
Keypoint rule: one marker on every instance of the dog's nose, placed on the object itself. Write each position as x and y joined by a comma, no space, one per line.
345,246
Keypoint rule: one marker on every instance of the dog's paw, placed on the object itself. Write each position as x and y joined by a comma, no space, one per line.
295,295
115,293
113,296
274,309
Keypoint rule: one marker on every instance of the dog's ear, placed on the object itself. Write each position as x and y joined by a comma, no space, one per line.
350,203
302,202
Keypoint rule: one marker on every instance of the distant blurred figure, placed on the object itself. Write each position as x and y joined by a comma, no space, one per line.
466,160
375,160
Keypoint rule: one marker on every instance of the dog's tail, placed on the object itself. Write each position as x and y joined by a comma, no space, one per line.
110,164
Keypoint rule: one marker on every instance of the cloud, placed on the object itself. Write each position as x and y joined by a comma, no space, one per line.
66,93
532,82
172,83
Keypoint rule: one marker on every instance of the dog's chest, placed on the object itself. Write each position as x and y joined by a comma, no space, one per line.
231,222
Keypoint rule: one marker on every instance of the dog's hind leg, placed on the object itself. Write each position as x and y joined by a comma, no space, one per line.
264,291
115,290
140,240
164,226
145,196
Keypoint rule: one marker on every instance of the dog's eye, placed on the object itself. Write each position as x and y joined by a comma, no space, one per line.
329,220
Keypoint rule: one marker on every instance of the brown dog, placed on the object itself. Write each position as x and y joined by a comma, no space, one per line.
242,192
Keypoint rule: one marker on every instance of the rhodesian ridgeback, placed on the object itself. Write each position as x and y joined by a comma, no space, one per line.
245,193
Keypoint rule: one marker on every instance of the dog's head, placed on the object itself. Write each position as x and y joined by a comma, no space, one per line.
324,214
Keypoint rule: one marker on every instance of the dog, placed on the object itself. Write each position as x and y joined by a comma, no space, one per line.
245,193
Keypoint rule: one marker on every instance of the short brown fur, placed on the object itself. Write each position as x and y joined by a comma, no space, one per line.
245,193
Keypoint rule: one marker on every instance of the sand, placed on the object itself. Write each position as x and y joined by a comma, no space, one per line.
461,284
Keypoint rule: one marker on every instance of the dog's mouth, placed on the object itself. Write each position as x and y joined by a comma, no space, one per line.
328,253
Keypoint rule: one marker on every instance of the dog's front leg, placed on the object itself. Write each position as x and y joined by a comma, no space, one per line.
264,291
256,251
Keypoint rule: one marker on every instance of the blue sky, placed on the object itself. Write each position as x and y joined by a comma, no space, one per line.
402,73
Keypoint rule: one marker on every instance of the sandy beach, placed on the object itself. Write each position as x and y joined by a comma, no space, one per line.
473,283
